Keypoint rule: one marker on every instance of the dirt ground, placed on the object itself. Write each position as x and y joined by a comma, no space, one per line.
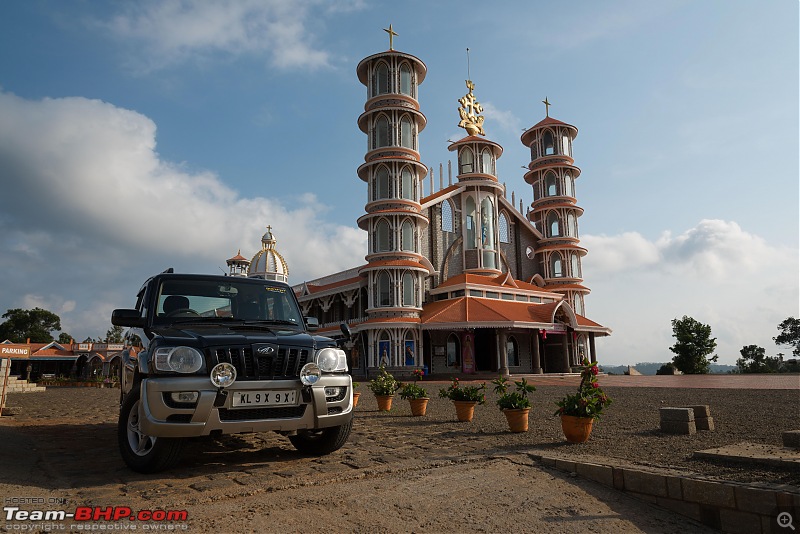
397,473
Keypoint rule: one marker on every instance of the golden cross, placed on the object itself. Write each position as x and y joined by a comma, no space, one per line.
546,106
269,229
392,35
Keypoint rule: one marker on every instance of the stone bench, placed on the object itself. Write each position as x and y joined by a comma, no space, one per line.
686,419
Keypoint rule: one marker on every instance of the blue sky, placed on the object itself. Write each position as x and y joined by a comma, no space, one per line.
138,136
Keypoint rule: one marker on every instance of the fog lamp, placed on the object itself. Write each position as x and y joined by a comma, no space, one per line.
185,396
309,374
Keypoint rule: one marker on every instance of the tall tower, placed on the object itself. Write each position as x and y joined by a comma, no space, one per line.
554,211
392,170
477,159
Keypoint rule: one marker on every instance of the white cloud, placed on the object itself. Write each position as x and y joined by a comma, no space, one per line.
506,120
174,31
90,210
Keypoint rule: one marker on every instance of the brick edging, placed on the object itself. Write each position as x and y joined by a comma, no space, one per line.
726,506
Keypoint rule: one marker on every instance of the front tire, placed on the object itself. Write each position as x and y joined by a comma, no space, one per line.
322,441
143,453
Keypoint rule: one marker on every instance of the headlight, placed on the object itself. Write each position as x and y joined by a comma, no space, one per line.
178,359
223,375
309,374
331,359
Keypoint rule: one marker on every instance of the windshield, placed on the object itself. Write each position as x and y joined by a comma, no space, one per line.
212,300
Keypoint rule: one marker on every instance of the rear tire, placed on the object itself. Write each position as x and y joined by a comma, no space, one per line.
143,453
322,441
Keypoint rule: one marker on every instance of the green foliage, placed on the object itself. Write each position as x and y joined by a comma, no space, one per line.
589,401
755,360
384,383
666,369
412,391
114,334
456,392
64,338
694,347
512,400
36,324
790,334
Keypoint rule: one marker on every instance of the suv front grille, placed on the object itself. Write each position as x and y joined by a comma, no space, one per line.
286,364
257,414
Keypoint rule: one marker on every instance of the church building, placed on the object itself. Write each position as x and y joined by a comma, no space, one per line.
457,280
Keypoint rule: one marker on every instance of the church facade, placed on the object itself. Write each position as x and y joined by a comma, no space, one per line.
458,280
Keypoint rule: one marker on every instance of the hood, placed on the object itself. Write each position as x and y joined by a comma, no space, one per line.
208,336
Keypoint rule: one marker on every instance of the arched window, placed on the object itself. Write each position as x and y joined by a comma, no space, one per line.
572,225
550,184
568,185
553,224
453,351
407,184
470,223
382,188
409,349
406,133
381,79
405,79
407,236
576,266
565,144
466,161
382,234
384,290
408,290
487,234
502,226
487,162
384,349
556,265
447,216
578,304
548,143
382,137
512,352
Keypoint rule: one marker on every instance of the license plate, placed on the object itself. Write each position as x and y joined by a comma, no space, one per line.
264,398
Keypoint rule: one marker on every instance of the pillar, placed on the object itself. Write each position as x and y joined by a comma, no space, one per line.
536,356
503,341
565,367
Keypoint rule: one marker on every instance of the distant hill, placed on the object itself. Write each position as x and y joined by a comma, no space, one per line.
650,368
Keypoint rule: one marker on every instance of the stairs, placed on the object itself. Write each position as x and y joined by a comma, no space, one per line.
17,385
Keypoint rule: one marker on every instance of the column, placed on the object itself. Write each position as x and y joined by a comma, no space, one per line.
536,356
565,367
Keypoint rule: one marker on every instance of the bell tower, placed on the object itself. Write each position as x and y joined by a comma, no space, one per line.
393,220
554,210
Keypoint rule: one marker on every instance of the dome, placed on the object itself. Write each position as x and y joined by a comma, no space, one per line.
268,263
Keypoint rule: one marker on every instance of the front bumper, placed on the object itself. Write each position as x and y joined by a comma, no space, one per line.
160,417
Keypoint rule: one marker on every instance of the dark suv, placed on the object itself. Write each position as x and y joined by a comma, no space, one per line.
221,355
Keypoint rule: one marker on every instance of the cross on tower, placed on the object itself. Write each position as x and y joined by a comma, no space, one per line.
392,35
546,106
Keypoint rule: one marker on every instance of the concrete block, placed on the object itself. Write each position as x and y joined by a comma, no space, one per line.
565,465
704,423
599,473
688,509
754,500
678,427
674,487
791,438
700,410
710,493
737,522
619,478
645,483
676,414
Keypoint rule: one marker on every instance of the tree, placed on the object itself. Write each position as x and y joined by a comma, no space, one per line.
694,346
64,338
755,360
114,335
790,334
36,324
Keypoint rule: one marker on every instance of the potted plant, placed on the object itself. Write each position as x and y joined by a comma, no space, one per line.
416,395
579,410
356,394
384,387
514,404
464,398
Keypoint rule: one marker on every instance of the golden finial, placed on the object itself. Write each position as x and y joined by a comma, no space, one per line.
392,35
546,106
470,112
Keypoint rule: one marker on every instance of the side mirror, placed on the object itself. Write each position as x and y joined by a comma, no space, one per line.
312,323
345,328
129,318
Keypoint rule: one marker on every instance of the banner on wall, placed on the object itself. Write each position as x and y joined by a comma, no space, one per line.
409,353
468,353
383,354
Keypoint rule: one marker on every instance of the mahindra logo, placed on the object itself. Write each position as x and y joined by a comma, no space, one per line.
265,350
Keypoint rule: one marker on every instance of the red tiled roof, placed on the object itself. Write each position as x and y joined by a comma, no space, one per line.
480,310
393,263
313,288
547,121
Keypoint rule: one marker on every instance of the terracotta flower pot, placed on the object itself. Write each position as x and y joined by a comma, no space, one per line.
517,419
418,406
356,396
576,429
384,402
465,410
